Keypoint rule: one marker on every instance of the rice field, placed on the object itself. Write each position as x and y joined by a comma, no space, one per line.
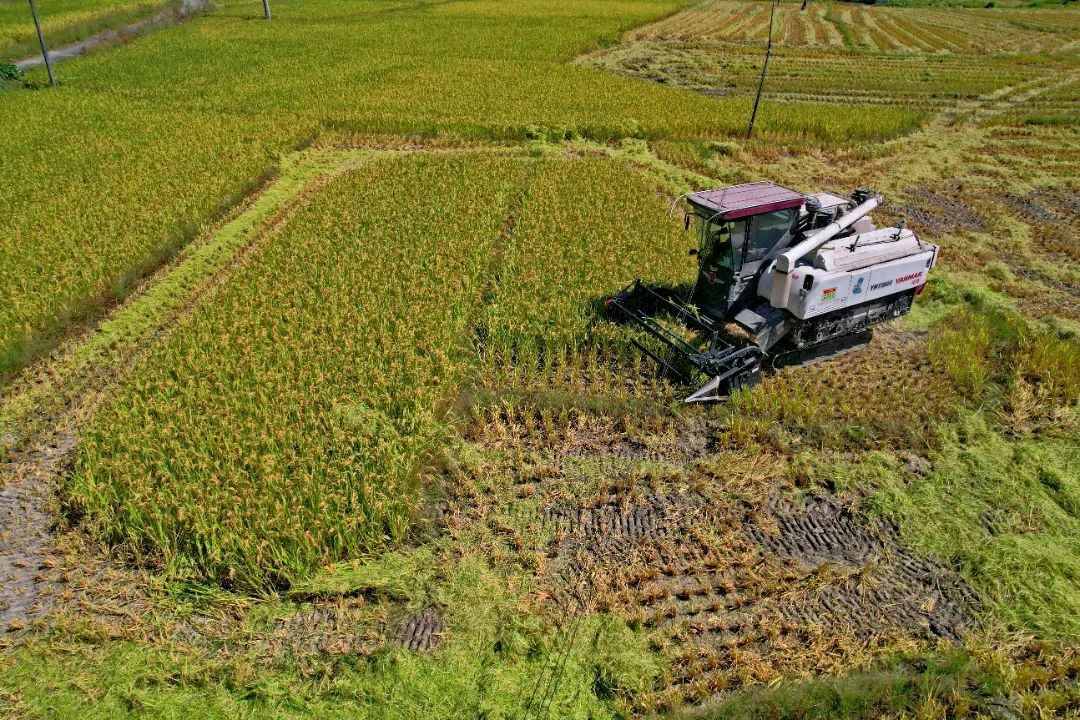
354,437
63,21
172,129
849,53
875,28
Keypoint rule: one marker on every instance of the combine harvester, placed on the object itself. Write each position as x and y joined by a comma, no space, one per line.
783,279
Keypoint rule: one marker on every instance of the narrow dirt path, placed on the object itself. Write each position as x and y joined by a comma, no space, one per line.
27,518
169,15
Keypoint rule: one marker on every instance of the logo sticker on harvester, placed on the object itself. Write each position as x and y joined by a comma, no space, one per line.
857,290
828,294
913,276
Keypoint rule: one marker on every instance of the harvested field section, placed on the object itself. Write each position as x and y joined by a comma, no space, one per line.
873,28
887,396
282,425
700,547
816,77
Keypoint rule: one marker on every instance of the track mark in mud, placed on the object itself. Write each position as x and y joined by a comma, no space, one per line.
421,632
26,522
937,213
604,526
331,628
880,584
1029,207
685,558
820,532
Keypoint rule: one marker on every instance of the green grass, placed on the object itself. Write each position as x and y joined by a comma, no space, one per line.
945,682
1005,513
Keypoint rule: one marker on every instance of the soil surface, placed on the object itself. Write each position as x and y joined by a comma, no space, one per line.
421,632
938,214
26,519
880,584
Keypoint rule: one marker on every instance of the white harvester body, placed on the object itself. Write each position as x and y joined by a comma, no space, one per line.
781,276
854,270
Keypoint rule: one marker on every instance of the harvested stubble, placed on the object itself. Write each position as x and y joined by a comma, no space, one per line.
281,426
974,31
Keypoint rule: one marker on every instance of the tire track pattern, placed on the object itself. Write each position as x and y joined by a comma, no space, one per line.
883,585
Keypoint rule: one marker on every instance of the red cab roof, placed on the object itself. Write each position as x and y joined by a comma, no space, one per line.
754,198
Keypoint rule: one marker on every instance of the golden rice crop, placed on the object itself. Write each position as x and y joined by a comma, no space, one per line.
90,207
281,426
589,228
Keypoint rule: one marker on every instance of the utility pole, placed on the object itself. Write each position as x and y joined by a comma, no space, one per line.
266,9
41,39
764,69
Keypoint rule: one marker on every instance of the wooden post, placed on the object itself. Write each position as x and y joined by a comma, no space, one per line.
41,39
764,68
266,9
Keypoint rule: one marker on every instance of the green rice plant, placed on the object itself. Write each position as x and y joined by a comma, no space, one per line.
961,347
281,426
1053,363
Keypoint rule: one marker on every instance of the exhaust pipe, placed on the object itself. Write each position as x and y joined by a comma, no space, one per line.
785,263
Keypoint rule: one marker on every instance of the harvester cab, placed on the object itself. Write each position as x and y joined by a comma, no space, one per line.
783,278
737,228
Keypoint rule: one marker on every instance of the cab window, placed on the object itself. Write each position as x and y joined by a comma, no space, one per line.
721,243
738,240
765,231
